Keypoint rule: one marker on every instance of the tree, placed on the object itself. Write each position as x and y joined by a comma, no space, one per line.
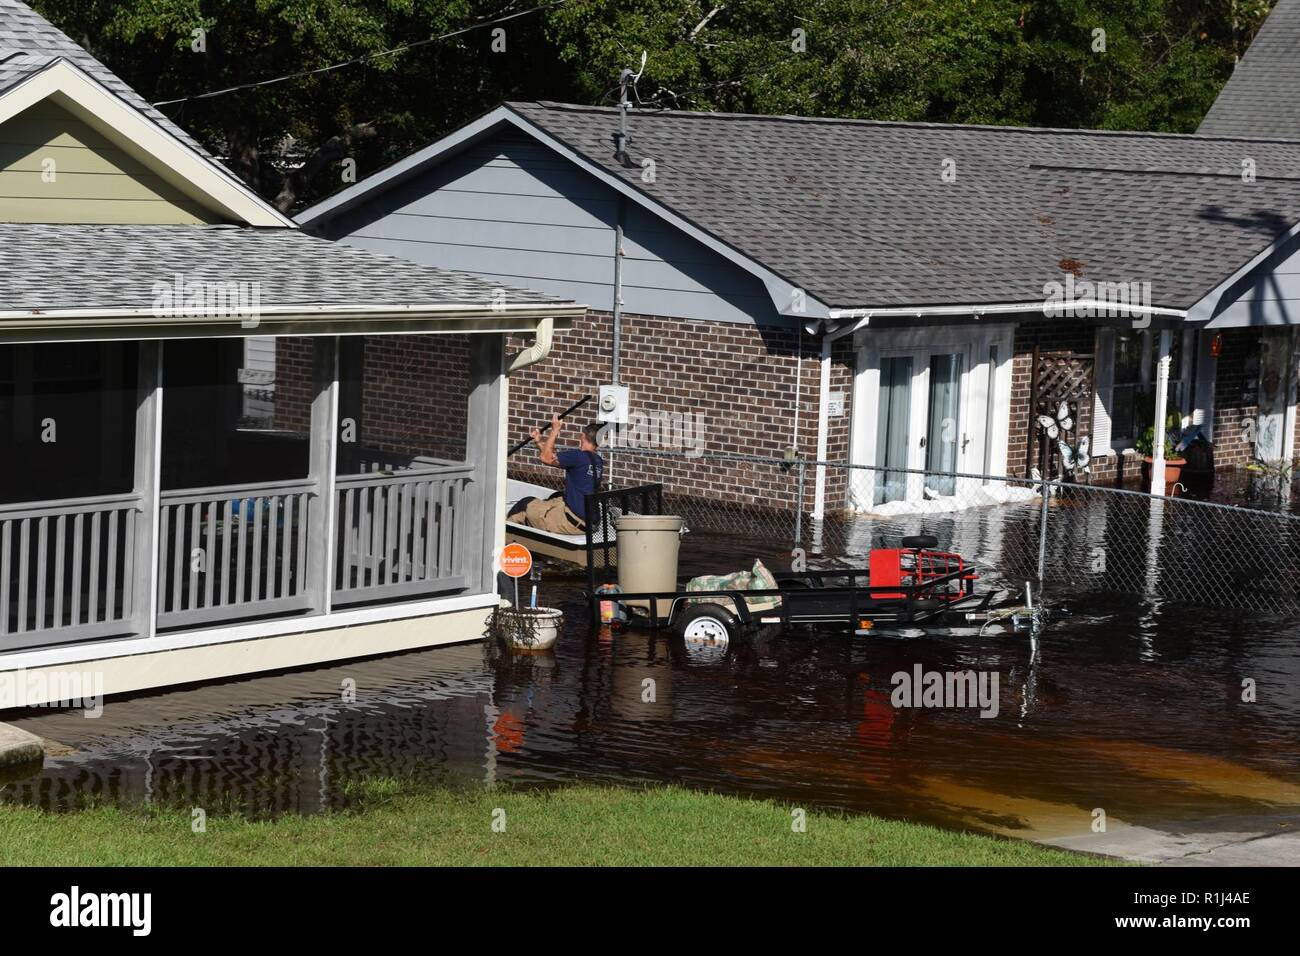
1118,64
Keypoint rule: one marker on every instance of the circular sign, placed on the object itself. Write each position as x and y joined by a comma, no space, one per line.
516,560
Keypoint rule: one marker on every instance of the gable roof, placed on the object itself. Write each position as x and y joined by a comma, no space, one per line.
1262,97
29,42
38,62
858,215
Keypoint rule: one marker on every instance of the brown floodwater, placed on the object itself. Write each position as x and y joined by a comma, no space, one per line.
1127,704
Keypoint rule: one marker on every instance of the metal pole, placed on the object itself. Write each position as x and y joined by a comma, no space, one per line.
1042,536
798,511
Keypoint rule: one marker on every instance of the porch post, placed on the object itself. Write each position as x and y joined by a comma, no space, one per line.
148,458
322,456
1162,401
485,449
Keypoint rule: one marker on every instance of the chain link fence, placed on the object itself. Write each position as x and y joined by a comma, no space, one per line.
1085,538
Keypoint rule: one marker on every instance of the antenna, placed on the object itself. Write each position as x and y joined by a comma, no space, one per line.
625,78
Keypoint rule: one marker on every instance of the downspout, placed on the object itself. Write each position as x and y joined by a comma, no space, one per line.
541,347
823,416
1162,401
823,409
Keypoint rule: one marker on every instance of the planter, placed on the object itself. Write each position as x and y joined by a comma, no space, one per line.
532,629
1173,472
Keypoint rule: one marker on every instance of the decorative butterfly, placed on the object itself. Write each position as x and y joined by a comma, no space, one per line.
1053,486
1061,423
1076,460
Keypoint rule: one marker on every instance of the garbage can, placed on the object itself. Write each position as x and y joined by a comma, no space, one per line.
647,556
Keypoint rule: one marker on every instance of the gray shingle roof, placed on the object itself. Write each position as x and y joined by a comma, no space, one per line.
1262,97
52,267
29,42
856,213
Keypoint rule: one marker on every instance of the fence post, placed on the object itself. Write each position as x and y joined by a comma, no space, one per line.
798,511
1042,534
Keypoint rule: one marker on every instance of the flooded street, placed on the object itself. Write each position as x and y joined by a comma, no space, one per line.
1127,708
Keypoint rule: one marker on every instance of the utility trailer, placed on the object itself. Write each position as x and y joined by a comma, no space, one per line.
910,590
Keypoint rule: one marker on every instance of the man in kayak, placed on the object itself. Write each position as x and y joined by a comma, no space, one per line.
565,512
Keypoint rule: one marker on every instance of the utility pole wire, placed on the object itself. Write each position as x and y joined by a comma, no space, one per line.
360,59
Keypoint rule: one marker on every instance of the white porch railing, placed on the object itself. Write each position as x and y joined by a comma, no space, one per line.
233,551
398,534
66,569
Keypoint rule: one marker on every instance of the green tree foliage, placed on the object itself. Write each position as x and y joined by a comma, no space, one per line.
1154,65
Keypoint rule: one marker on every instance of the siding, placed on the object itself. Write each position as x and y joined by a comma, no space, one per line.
510,209
1269,295
93,182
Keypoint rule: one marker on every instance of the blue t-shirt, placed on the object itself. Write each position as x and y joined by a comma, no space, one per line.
582,471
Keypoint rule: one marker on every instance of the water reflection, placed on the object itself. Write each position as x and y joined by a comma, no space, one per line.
1135,706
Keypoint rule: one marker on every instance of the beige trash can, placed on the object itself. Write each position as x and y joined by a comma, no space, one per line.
647,556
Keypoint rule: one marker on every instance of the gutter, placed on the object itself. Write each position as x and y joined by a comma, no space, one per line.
44,318
998,308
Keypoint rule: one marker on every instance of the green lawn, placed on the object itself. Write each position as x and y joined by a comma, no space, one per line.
573,826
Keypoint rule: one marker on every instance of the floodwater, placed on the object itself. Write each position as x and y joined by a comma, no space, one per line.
1129,706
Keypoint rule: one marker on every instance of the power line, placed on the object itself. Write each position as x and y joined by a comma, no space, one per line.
360,59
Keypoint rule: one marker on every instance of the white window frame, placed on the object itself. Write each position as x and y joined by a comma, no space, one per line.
1106,345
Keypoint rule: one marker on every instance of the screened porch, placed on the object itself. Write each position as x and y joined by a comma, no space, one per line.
159,488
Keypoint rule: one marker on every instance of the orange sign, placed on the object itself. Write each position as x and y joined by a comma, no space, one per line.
516,560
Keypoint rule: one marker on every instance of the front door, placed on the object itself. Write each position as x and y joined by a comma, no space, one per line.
924,411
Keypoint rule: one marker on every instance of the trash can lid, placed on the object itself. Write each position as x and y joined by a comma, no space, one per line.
648,523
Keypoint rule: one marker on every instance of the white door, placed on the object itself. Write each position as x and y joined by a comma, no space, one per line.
923,410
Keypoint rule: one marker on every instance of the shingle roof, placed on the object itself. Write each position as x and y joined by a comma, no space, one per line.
1262,97
29,42
856,212
53,267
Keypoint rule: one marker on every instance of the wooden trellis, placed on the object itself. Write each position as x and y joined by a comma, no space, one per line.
1057,377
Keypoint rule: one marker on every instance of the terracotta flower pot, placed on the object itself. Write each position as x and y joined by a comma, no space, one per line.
1173,471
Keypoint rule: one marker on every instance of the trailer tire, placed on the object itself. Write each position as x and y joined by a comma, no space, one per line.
708,622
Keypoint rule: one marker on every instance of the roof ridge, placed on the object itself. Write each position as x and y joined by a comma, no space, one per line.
910,124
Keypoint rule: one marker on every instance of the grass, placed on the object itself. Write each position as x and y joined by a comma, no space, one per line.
581,826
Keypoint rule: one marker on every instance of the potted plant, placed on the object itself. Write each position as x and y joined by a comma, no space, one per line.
1174,461
1271,479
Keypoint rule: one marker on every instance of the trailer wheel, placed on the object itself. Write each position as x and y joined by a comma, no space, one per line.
710,623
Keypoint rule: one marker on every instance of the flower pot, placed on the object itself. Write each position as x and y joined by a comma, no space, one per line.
1173,471
543,623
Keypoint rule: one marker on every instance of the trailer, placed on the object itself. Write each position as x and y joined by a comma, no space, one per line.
910,590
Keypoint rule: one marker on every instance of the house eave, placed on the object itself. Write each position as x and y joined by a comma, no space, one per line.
95,325
864,314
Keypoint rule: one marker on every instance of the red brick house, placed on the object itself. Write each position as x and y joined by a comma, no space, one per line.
872,292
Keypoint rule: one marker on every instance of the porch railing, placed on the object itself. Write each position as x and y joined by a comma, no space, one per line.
233,551
400,534
66,569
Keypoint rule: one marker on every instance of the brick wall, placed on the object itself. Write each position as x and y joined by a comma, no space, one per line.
413,395
741,378
293,392
1047,336
1234,402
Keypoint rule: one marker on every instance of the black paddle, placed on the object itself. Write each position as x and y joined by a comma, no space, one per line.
547,427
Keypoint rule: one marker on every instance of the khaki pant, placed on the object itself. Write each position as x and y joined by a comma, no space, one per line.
549,514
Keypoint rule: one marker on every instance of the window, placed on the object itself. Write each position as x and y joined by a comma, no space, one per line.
1133,391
